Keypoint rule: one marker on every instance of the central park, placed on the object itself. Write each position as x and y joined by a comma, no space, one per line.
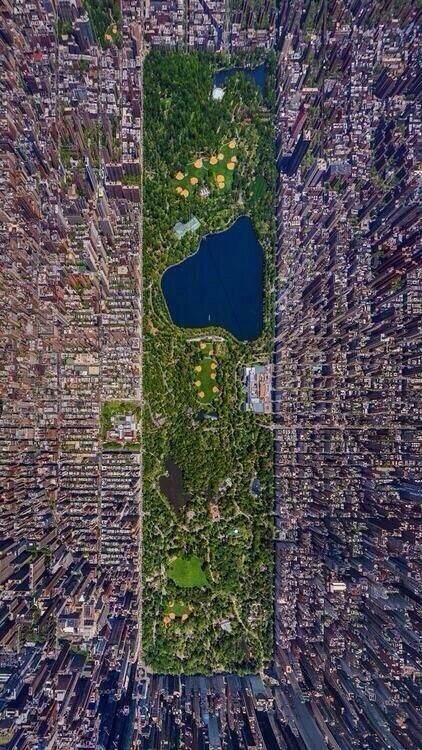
208,241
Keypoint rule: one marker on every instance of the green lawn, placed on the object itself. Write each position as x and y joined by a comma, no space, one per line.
187,572
177,608
207,173
259,187
204,381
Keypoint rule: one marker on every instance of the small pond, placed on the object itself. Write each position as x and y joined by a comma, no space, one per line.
221,284
171,485
257,75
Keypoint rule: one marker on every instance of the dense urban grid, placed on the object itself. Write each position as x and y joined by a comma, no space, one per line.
345,399
70,284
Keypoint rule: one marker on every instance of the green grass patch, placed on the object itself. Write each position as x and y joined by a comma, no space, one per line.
259,187
187,572
206,173
205,378
132,179
178,609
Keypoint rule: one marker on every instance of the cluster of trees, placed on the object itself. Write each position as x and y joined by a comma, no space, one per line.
218,458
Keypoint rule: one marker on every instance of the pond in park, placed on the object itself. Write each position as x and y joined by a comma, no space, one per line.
257,75
221,284
171,485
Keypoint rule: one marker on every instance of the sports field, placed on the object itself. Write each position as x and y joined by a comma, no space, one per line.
205,374
215,171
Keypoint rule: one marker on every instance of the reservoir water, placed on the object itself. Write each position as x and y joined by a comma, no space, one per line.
221,284
257,75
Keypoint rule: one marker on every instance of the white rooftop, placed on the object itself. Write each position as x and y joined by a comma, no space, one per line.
217,93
